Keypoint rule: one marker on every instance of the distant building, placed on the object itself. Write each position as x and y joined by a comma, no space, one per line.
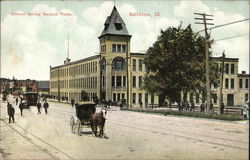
18,86
5,85
235,89
43,87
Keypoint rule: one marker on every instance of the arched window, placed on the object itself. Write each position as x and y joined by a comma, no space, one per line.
118,63
103,64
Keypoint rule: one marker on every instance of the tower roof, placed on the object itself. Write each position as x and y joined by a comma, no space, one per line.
114,25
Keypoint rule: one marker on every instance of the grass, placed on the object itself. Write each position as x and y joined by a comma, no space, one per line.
188,114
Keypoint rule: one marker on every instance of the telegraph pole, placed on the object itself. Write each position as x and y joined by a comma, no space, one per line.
58,85
221,80
204,19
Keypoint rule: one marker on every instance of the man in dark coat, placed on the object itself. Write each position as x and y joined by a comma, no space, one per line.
11,112
222,107
46,106
21,107
16,100
39,107
72,102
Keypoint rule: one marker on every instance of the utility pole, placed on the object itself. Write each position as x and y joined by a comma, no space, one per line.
221,80
58,85
204,19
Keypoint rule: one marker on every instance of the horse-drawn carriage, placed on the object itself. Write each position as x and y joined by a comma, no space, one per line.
86,116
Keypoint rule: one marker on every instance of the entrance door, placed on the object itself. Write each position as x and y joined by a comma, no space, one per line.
230,99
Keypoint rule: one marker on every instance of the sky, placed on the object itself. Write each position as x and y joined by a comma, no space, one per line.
32,41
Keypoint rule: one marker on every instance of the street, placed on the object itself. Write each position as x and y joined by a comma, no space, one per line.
128,135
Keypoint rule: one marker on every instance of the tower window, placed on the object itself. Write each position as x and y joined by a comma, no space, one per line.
119,48
113,47
118,26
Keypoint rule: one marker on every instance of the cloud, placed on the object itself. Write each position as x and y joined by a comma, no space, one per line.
188,8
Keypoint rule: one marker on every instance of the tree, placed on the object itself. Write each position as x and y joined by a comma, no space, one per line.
176,64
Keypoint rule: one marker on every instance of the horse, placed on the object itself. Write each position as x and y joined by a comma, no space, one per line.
97,121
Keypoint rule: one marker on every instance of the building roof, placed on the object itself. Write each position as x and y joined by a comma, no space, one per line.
226,59
139,54
75,62
114,25
244,75
43,84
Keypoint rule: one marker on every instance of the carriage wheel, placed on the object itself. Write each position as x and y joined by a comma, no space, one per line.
72,124
79,127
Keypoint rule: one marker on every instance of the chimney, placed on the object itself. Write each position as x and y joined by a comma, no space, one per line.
243,72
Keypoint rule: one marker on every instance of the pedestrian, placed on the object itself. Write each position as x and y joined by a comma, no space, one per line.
16,100
11,112
21,107
72,102
211,107
192,106
202,107
222,107
38,107
187,105
170,105
141,104
46,106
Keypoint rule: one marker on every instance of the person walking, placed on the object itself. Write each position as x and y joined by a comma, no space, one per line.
39,107
211,107
222,107
16,100
21,107
11,112
72,102
192,106
46,106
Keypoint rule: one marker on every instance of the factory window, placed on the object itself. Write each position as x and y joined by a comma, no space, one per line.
140,82
118,26
134,81
123,48
118,81
113,47
134,64
232,68
124,81
227,69
118,63
134,98
119,48
232,83
113,81
246,83
140,64
226,83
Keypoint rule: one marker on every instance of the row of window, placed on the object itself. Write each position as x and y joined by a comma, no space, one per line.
75,96
232,83
134,84
119,48
119,96
214,98
140,101
228,68
75,70
118,81
135,64
90,82
241,83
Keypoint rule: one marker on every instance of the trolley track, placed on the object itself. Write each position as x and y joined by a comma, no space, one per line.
43,149
135,126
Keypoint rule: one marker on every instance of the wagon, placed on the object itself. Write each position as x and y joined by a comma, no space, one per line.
84,112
